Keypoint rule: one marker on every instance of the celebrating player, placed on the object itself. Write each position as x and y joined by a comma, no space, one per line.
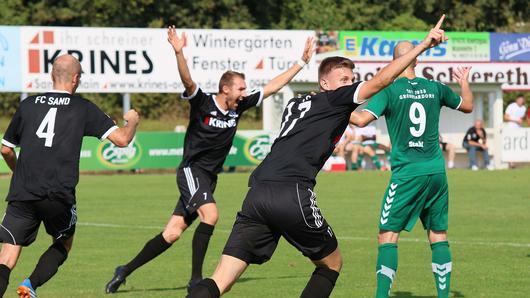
212,127
49,129
418,186
281,200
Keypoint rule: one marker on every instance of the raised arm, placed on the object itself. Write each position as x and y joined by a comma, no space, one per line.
122,136
281,80
461,75
390,72
178,45
9,156
362,118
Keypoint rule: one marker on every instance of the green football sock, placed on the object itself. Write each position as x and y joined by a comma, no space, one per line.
387,262
360,161
376,162
441,266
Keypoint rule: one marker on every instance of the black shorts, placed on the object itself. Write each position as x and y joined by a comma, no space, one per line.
444,146
271,210
22,220
196,188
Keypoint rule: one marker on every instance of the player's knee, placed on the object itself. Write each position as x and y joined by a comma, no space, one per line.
387,237
8,260
212,219
333,261
335,264
9,255
209,215
66,244
172,234
437,236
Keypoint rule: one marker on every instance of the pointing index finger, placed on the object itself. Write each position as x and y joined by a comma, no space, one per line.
440,21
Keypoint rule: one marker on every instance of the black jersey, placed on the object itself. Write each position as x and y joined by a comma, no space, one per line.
211,129
49,130
311,126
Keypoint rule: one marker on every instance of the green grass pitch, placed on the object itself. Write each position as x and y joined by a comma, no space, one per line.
489,233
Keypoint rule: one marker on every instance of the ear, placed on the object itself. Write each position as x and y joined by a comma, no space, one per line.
324,84
226,89
75,79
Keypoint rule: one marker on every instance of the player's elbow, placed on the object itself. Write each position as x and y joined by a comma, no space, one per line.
468,108
119,140
361,123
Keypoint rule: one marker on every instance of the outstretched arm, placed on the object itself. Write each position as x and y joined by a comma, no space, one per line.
390,72
361,119
122,136
178,44
461,75
281,80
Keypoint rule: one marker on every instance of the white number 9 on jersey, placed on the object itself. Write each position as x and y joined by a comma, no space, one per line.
419,119
47,123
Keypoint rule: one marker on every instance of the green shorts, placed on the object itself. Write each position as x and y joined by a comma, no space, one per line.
371,144
405,200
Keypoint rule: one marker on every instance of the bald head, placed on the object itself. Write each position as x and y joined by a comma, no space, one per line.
65,67
402,48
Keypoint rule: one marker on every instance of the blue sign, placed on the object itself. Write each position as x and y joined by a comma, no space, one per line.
10,62
510,46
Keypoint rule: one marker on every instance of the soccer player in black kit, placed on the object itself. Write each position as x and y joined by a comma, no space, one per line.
49,130
281,201
211,130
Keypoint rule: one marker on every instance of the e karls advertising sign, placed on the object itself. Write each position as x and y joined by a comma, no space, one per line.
379,45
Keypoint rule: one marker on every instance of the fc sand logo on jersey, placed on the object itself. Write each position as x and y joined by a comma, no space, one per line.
117,157
258,147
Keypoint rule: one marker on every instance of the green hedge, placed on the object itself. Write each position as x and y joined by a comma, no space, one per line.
161,106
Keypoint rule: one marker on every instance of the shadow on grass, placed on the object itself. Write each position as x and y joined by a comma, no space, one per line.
245,279
411,295
151,290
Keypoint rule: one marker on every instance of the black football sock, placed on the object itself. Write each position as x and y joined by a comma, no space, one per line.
151,250
321,283
207,288
201,238
48,264
4,278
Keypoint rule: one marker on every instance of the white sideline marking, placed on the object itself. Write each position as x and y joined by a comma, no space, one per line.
345,238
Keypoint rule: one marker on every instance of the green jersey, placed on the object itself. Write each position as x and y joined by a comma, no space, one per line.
412,112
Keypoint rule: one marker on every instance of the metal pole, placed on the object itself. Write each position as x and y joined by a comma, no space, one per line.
126,100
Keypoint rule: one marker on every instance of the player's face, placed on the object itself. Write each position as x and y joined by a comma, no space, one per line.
236,92
519,101
337,78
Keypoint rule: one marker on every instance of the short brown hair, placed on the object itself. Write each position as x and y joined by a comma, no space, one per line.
331,63
228,77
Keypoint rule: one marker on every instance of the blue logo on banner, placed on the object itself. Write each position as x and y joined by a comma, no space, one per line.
10,72
510,47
